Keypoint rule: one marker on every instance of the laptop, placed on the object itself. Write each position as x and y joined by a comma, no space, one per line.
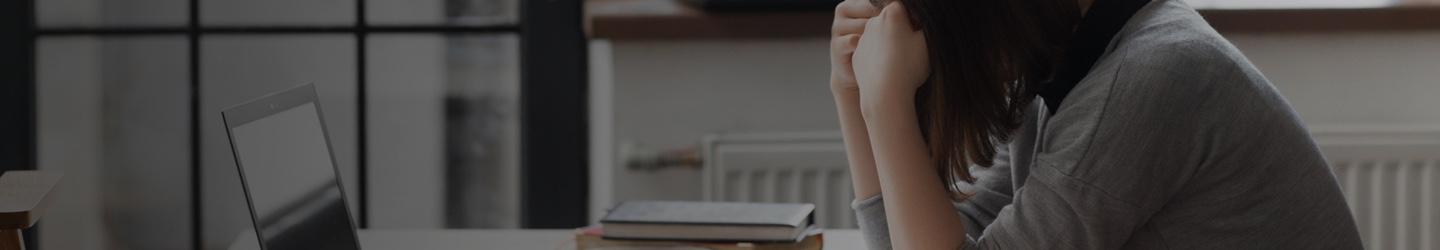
288,172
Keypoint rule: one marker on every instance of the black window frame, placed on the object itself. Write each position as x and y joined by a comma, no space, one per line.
553,95
17,88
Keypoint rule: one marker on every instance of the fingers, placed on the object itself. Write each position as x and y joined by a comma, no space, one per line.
850,17
877,24
855,9
893,18
842,53
842,50
895,15
880,3
845,45
847,26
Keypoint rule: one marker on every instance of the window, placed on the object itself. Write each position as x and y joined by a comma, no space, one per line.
441,113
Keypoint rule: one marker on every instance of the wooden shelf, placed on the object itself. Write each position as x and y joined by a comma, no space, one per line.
673,19
1389,18
24,195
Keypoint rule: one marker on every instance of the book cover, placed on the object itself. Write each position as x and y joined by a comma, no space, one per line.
708,221
591,238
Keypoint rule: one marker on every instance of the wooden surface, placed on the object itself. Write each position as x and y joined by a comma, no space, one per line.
472,239
673,19
10,240
1390,18
24,196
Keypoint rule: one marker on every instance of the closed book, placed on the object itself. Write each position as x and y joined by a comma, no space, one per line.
765,5
708,221
591,238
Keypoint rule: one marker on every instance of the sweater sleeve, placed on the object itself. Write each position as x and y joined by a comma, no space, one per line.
991,192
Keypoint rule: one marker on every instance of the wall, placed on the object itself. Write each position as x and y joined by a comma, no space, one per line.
669,94
1353,79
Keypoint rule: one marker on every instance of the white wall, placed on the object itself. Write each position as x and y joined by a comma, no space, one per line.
1353,79
671,93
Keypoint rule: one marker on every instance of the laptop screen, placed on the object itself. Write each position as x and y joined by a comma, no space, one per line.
291,181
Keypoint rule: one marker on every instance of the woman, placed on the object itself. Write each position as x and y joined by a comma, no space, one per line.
1065,124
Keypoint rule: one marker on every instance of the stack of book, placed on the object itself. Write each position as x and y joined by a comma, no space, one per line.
704,225
765,5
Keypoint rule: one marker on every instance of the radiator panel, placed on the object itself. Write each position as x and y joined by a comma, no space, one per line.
788,168
1390,179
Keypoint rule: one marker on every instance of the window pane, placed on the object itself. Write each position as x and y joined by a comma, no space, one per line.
238,68
444,110
277,12
109,13
452,12
114,116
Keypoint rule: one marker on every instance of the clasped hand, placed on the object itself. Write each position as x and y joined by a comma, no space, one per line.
878,54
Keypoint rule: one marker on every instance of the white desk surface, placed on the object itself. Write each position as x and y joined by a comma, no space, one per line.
504,239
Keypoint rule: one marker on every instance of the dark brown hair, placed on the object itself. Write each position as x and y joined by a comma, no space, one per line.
986,56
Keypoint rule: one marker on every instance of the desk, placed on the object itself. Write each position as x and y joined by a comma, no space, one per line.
503,239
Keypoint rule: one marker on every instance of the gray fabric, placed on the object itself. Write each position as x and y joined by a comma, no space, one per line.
1174,141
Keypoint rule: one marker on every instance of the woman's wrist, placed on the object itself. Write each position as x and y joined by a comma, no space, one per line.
848,91
883,102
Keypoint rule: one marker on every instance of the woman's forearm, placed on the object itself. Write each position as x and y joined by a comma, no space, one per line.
917,204
857,144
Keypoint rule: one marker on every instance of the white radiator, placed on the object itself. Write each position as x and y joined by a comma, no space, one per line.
1391,178
786,167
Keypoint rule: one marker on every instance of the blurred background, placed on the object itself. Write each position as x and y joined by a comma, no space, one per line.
483,114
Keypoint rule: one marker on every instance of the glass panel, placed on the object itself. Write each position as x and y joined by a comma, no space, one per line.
114,116
444,110
238,68
452,12
277,12
109,13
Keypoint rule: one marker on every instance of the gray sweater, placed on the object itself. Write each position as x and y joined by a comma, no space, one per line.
1173,141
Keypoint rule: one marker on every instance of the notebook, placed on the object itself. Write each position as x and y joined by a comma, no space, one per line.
766,5
708,221
592,238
